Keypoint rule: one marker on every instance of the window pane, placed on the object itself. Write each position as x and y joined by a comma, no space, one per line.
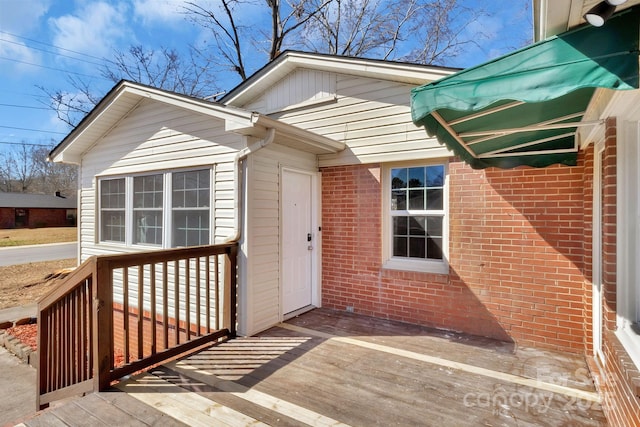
434,199
435,176
112,193
191,189
434,226
190,198
417,226
417,247
399,178
416,177
400,225
416,199
203,198
434,248
148,227
147,191
400,246
398,200
112,226
190,228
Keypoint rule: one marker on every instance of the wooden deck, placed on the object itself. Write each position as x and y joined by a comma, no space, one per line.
328,368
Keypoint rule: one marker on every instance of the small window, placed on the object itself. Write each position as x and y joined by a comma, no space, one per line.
416,223
190,199
147,209
112,210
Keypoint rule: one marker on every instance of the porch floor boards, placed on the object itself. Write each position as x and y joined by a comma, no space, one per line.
334,368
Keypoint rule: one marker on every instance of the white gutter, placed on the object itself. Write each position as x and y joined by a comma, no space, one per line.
237,181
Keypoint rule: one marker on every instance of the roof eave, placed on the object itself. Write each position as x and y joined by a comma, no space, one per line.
79,139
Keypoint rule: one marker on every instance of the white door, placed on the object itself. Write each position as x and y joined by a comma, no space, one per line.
596,304
297,240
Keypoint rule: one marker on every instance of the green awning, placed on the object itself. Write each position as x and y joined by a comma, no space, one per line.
524,108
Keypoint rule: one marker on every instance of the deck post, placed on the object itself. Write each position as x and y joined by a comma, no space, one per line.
102,325
230,289
42,369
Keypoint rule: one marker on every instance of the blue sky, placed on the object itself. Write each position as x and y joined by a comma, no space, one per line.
44,41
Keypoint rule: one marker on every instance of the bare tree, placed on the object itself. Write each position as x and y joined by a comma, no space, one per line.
16,169
420,31
165,69
6,172
71,107
191,74
25,169
234,40
439,26
51,178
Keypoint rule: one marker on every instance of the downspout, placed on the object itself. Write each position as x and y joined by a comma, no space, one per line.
237,181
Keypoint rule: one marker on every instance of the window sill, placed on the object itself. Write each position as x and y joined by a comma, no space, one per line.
123,248
435,267
630,340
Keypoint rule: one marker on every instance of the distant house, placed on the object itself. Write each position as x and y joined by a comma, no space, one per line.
20,210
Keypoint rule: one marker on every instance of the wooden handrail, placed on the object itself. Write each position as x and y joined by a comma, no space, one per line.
81,324
67,284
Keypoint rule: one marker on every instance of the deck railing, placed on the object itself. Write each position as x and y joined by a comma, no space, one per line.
118,314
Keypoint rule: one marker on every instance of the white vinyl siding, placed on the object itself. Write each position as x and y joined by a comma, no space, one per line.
296,90
152,138
373,118
261,241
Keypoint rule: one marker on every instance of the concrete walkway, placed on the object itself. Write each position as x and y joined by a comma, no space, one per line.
16,313
17,379
17,389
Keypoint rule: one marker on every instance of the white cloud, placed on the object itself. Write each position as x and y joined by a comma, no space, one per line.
15,49
95,29
163,11
20,16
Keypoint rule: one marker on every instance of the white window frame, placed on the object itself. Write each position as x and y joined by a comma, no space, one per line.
134,209
167,209
412,264
628,237
100,211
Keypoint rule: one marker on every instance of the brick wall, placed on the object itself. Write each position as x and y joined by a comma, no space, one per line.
36,218
7,217
516,255
619,384
47,218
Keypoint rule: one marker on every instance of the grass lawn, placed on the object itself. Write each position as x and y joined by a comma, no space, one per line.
37,236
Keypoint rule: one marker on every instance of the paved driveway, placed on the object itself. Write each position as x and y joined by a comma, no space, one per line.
35,253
